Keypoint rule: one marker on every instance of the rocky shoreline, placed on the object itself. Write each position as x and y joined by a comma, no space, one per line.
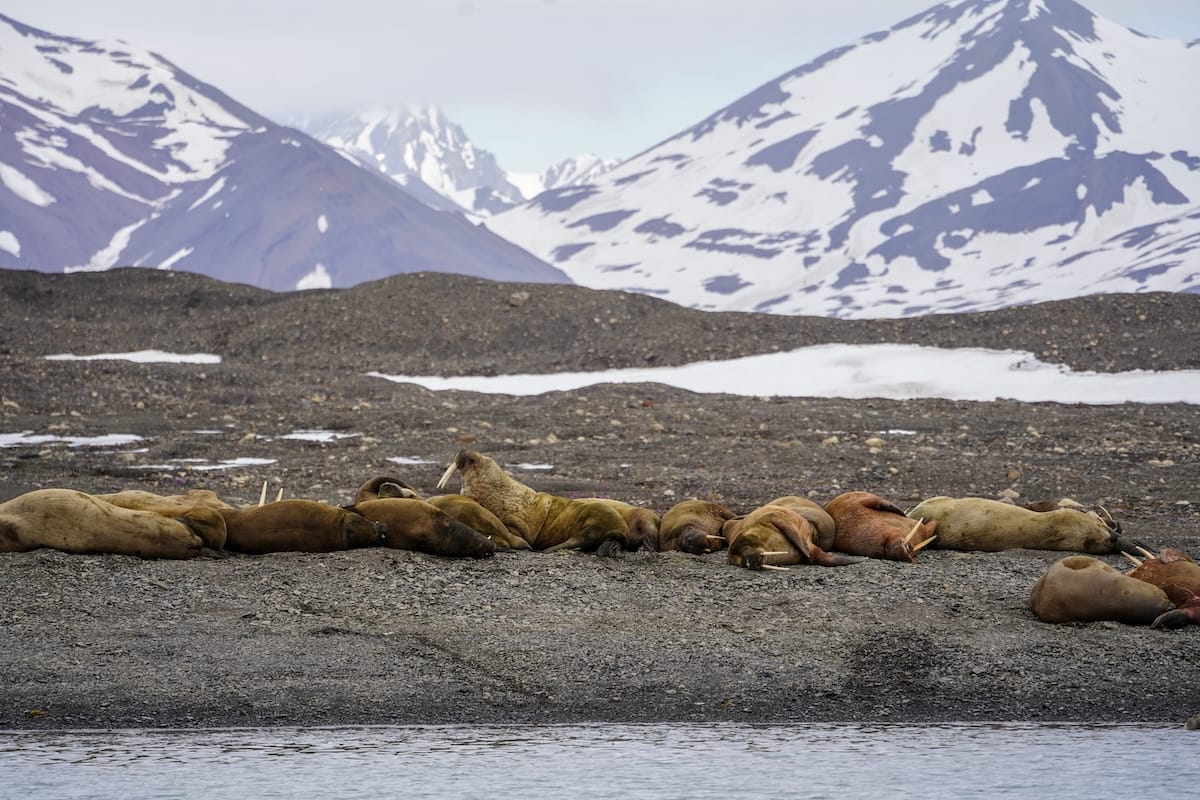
379,636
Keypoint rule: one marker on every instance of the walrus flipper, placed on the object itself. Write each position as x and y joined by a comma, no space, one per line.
879,504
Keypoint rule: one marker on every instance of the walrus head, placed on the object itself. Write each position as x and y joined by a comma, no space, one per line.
385,486
358,531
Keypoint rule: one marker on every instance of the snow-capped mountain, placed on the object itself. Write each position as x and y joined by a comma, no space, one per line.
111,155
982,154
434,159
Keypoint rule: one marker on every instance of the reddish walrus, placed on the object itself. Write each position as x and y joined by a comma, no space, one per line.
546,521
304,526
1175,573
417,525
773,535
1085,589
75,522
694,526
868,525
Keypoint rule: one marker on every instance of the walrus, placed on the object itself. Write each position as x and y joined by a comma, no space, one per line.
418,525
468,511
304,526
76,522
641,522
694,526
164,504
546,521
772,535
825,529
1085,589
977,523
385,486
1176,574
868,525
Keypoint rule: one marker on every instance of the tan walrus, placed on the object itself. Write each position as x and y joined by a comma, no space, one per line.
304,526
459,506
140,500
385,486
546,521
1174,572
75,522
641,522
468,511
694,526
1085,589
773,535
977,523
868,525
417,525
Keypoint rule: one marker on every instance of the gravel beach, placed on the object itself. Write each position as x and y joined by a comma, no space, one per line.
378,636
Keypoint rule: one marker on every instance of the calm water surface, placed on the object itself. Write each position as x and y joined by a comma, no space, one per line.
594,761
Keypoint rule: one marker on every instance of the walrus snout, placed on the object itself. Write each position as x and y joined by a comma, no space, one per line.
460,462
381,530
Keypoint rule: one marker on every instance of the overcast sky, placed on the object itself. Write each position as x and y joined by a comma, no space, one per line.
533,81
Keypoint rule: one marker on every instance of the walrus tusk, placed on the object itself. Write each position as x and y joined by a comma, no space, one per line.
914,530
778,569
1145,552
925,543
262,498
450,470
1136,561
775,552
279,496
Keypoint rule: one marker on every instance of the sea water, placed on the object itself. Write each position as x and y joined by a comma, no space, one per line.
607,760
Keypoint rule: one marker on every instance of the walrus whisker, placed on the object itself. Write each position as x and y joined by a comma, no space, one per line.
262,498
445,479
1145,552
914,530
1137,562
923,544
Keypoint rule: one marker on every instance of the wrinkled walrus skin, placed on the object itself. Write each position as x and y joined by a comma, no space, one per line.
977,523
694,526
75,522
417,525
304,526
868,525
1085,589
546,521
1178,576
775,535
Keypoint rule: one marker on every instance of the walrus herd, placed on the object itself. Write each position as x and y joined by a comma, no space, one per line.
496,511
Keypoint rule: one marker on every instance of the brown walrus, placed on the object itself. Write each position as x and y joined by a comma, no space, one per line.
546,521
1176,574
694,526
75,522
304,526
868,525
1085,589
468,511
417,525
385,486
977,523
825,528
773,535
